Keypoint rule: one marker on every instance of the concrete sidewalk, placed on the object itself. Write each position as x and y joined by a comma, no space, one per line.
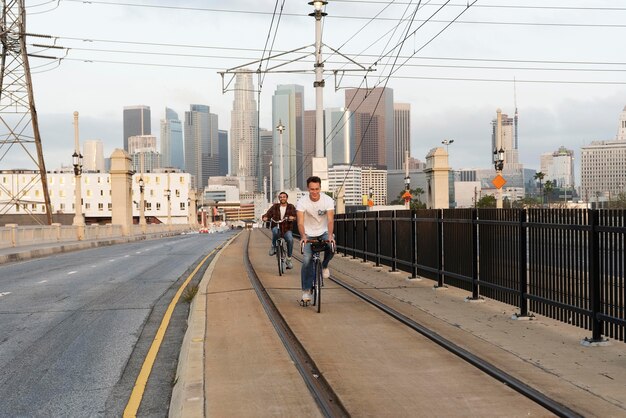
543,353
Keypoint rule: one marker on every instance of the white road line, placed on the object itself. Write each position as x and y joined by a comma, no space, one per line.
72,272
110,261
137,252
43,281
4,294
126,256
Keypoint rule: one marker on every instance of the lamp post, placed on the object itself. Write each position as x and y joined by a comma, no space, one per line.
281,128
447,143
371,197
498,163
168,194
142,205
271,196
77,162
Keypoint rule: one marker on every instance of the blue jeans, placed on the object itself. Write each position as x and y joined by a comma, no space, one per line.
308,269
288,237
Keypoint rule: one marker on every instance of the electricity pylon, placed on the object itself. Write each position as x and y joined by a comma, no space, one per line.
20,142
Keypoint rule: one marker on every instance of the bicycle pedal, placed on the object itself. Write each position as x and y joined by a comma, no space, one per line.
303,303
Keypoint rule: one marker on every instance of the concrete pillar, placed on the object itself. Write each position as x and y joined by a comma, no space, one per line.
121,191
193,209
13,228
438,179
57,231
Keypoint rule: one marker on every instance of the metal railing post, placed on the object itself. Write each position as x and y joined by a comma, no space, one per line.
593,246
523,268
377,239
413,244
394,248
439,220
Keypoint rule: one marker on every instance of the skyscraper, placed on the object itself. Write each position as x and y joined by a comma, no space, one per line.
288,109
201,144
136,122
223,151
402,132
621,131
172,145
340,141
93,155
558,167
372,111
243,128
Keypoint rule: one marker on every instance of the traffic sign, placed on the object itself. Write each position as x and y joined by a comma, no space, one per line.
498,181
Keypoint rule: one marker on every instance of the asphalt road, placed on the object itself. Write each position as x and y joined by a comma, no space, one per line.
74,328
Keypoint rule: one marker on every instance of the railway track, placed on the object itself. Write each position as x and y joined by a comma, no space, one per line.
327,385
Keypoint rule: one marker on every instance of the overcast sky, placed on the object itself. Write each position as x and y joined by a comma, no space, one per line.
567,57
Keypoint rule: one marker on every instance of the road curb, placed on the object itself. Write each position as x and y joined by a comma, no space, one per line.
188,392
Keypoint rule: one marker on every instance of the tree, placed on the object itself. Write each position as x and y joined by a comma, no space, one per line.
488,201
540,176
547,189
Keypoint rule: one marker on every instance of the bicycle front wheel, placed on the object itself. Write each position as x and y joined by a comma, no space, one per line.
280,259
317,293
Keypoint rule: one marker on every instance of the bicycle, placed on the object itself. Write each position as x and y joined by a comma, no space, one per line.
280,248
317,246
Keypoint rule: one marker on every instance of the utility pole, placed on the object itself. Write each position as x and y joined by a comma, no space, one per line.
19,131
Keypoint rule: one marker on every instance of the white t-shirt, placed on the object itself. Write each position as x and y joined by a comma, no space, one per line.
315,216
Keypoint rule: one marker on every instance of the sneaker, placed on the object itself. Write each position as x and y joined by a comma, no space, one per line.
289,263
272,251
306,297
325,273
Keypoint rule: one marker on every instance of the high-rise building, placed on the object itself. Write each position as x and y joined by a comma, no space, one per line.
140,142
558,167
223,151
266,141
372,110
201,144
340,141
243,128
504,135
374,181
287,108
172,145
402,132
136,122
146,160
93,155
602,169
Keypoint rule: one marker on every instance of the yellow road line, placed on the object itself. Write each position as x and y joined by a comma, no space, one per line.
140,384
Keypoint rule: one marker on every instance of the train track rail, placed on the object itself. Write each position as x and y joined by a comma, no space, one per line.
329,401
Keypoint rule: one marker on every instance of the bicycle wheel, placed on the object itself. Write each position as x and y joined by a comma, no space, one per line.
280,258
317,293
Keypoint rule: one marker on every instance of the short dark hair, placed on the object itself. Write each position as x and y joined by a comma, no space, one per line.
283,193
313,179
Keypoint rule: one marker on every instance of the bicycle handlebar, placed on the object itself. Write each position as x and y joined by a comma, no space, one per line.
280,221
318,241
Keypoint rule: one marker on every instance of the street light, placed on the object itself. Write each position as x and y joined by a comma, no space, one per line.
142,204
319,162
168,194
498,163
77,162
447,143
281,129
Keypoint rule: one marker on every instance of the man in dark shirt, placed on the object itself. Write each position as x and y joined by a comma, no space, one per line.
276,212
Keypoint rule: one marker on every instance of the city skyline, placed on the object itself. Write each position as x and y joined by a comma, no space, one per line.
552,114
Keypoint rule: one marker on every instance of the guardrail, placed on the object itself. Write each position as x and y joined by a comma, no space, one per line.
13,235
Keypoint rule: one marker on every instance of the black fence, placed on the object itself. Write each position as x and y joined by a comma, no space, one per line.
566,264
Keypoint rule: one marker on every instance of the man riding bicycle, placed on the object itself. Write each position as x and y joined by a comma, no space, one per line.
277,212
316,215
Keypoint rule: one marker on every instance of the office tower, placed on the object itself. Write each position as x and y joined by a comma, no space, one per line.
201,144
340,141
621,131
223,151
243,128
504,134
136,122
146,160
266,142
402,132
603,170
287,108
93,156
558,167
372,111
141,141
308,145
172,145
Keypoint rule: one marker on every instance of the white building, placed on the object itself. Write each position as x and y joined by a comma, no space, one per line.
141,141
350,179
621,130
374,181
96,194
558,167
602,169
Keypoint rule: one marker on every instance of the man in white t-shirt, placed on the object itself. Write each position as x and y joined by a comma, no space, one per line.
316,216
